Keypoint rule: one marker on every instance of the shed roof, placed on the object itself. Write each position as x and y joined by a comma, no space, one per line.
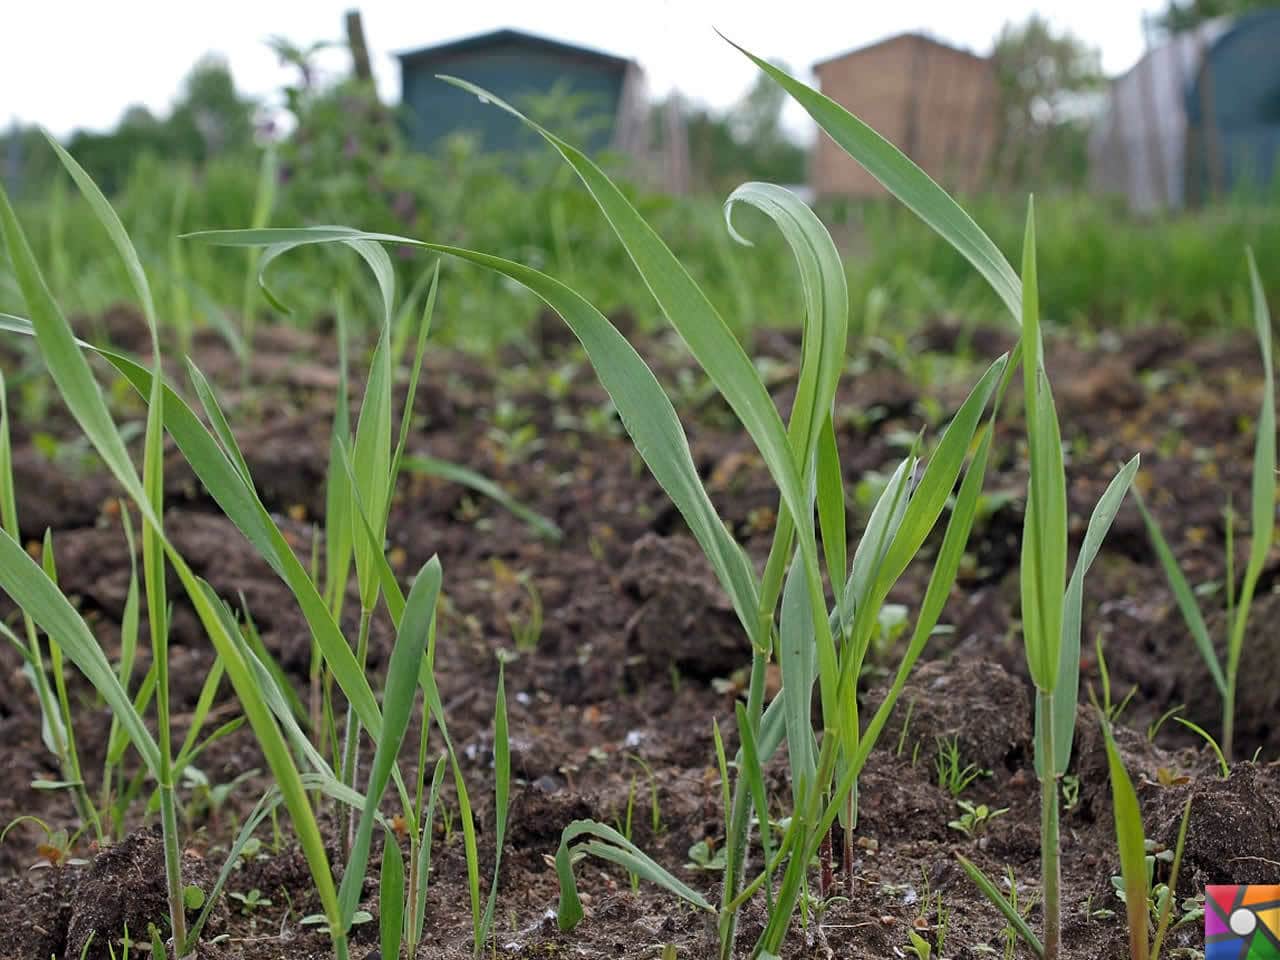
910,35
507,37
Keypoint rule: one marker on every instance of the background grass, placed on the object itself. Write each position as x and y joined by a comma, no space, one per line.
1102,268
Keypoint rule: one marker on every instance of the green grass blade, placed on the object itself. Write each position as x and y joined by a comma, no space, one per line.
651,422
797,660
277,673
338,534
1068,691
282,241
32,590
754,774
248,686
831,510
1264,453
415,371
66,364
107,217
941,580
938,480
397,705
906,181
826,299
1183,595
1131,844
372,461
1166,910
1001,903
715,348
644,408
431,697
424,851
218,421
362,525
1223,767
502,791
882,528
391,896
277,702
204,703
1044,539
53,731
615,848
456,473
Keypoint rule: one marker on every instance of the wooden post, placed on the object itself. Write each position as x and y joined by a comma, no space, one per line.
359,49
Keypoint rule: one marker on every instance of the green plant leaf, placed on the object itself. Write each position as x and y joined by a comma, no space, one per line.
754,774
719,354
397,705
797,660
243,507
391,896
826,298
612,846
456,473
28,586
1131,844
1044,536
1263,496
424,851
1068,690
1183,595
906,181
339,535
502,790
80,391
644,408
1001,903
938,590
371,458
831,512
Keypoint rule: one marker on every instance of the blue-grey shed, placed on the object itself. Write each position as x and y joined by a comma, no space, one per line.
515,66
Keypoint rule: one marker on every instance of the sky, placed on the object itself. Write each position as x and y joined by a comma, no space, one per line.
79,65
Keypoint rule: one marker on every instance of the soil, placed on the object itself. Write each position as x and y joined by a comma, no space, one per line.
639,650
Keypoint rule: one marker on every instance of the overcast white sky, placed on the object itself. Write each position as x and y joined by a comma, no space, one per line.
70,65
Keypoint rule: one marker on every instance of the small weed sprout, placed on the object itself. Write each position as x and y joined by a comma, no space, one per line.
918,946
250,901
954,775
974,819
58,847
1070,791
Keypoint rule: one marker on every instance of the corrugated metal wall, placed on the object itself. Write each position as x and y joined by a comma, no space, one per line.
511,70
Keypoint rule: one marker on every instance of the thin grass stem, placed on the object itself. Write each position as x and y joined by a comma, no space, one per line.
1050,868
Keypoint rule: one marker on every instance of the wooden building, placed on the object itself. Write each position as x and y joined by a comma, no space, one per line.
937,104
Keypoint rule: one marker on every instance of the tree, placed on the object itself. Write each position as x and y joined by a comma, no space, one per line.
210,117
1191,13
1049,84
